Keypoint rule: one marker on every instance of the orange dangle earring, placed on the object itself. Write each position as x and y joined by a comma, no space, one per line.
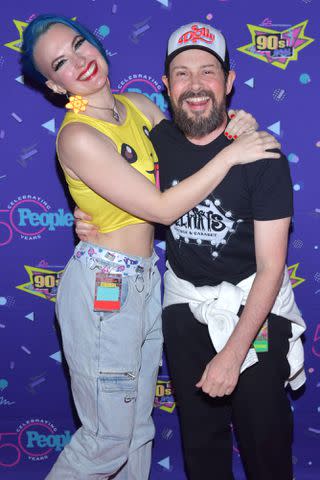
76,103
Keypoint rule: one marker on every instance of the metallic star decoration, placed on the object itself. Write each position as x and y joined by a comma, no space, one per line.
274,47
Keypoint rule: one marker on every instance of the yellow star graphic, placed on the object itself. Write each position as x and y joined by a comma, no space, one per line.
21,26
295,281
274,47
16,44
42,282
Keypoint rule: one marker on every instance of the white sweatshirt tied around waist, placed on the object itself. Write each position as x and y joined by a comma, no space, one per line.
218,306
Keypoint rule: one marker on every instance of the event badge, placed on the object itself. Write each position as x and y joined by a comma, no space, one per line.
107,295
261,342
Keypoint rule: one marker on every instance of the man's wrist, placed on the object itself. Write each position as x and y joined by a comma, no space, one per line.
238,353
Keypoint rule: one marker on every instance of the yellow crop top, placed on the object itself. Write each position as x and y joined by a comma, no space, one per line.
133,143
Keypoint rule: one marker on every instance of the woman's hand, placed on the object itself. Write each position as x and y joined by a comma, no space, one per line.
241,122
84,230
251,147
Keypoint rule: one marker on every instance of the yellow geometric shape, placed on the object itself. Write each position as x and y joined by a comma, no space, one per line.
21,26
17,44
168,409
295,281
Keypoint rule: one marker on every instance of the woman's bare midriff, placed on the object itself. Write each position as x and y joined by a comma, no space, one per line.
133,239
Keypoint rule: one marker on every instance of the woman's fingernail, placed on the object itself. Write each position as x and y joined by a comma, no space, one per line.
232,115
226,134
235,137
230,136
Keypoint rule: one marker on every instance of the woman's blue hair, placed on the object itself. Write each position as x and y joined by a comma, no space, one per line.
40,25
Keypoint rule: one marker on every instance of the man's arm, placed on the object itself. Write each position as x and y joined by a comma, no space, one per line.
222,372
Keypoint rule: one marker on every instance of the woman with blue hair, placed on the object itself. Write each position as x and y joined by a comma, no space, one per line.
108,301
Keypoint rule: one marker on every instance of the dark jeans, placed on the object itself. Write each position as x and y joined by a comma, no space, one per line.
258,409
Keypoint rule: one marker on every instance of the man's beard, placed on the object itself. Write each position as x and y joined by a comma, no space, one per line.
198,125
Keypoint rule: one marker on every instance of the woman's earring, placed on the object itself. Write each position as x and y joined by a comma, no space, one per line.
76,103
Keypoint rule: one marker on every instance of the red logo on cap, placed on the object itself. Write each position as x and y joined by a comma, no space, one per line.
197,34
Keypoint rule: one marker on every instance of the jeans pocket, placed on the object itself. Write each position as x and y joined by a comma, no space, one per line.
117,394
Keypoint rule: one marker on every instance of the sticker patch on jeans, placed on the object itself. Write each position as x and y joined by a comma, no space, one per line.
261,343
107,297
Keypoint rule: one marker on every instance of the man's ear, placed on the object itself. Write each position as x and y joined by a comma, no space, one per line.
55,88
165,81
230,80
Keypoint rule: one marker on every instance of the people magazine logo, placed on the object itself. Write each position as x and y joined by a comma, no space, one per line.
35,439
29,216
145,84
42,282
277,48
164,399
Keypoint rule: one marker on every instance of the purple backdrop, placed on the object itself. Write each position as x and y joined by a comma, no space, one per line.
274,49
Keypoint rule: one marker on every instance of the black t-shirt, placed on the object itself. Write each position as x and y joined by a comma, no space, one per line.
215,240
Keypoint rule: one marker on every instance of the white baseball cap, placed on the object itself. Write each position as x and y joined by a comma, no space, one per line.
201,36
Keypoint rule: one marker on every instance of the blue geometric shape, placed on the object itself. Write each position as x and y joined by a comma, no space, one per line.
165,463
20,79
104,30
3,384
165,3
250,82
305,78
56,356
293,158
30,316
275,128
50,125
161,245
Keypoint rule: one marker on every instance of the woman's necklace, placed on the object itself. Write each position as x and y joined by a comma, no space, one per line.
115,114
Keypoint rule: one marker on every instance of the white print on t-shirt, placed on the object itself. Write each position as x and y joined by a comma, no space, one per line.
206,225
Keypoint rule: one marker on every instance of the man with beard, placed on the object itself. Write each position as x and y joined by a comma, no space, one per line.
231,326
226,285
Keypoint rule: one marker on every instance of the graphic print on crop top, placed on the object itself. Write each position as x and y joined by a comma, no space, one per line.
128,153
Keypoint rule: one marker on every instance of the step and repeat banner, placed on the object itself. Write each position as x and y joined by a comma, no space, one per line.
274,48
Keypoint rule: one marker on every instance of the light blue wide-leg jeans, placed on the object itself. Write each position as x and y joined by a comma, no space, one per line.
113,360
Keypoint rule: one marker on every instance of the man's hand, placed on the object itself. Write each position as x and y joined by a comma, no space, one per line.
85,231
221,374
241,122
